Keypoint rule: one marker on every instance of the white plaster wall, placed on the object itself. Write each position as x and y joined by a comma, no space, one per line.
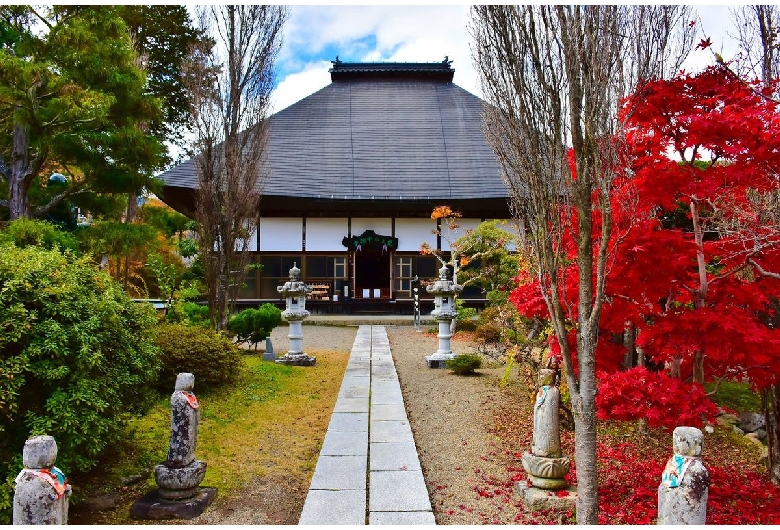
463,225
379,225
325,235
281,234
411,233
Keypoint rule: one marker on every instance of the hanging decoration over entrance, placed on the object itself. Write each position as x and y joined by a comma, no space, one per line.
370,240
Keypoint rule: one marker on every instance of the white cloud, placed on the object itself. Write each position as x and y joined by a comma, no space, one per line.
315,34
297,86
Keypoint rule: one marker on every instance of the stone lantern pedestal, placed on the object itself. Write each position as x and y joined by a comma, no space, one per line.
444,291
295,313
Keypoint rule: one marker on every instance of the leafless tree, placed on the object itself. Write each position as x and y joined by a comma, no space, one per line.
553,77
758,34
758,37
229,89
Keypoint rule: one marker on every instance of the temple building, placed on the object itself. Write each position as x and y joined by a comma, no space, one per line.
354,172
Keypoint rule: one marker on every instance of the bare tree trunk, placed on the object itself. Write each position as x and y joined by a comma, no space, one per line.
758,37
229,101
20,177
774,446
553,77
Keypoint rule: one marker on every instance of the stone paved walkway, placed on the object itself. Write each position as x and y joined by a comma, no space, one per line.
368,471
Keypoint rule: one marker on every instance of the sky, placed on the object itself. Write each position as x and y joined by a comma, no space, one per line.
315,34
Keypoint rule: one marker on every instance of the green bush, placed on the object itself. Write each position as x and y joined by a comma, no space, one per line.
194,314
464,364
208,354
76,354
254,325
30,232
466,316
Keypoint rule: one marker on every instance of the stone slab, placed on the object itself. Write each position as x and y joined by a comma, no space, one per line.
386,397
384,373
345,443
381,412
539,499
397,491
152,507
340,507
354,392
402,518
339,473
391,431
349,422
394,456
385,385
351,404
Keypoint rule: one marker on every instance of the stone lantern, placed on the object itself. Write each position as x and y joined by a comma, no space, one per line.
444,291
294,291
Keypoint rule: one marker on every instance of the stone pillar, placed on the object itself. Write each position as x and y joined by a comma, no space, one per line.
269,354
178,495
545,464
684,488
444,291
42,492
295,313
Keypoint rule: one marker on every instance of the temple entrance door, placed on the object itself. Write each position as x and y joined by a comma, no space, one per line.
372,271
372,257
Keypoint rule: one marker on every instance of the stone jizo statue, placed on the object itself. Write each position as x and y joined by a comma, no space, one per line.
42,492
684,488
178,495
179,476
185,418
547,437
545,464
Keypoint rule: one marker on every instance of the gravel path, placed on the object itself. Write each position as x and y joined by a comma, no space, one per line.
467,467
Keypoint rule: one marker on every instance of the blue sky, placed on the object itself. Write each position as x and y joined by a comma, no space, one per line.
315,34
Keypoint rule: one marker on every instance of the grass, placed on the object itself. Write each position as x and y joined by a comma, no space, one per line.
272,420
736,396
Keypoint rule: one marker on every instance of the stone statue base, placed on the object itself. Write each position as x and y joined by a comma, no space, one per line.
542,499
438,360
153,507
179,483
297,359
546,473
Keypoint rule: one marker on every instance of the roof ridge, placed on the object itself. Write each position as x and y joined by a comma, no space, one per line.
349,70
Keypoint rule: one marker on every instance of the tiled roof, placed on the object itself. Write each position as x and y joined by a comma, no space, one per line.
373,139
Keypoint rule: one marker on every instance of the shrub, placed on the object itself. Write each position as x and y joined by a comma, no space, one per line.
30,232
466,316
194,314
208,354
76,355
254,325
464,364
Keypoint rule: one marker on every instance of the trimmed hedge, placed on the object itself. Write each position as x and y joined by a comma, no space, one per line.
254,325
208,354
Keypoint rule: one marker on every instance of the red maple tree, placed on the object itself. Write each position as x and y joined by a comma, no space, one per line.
696,246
